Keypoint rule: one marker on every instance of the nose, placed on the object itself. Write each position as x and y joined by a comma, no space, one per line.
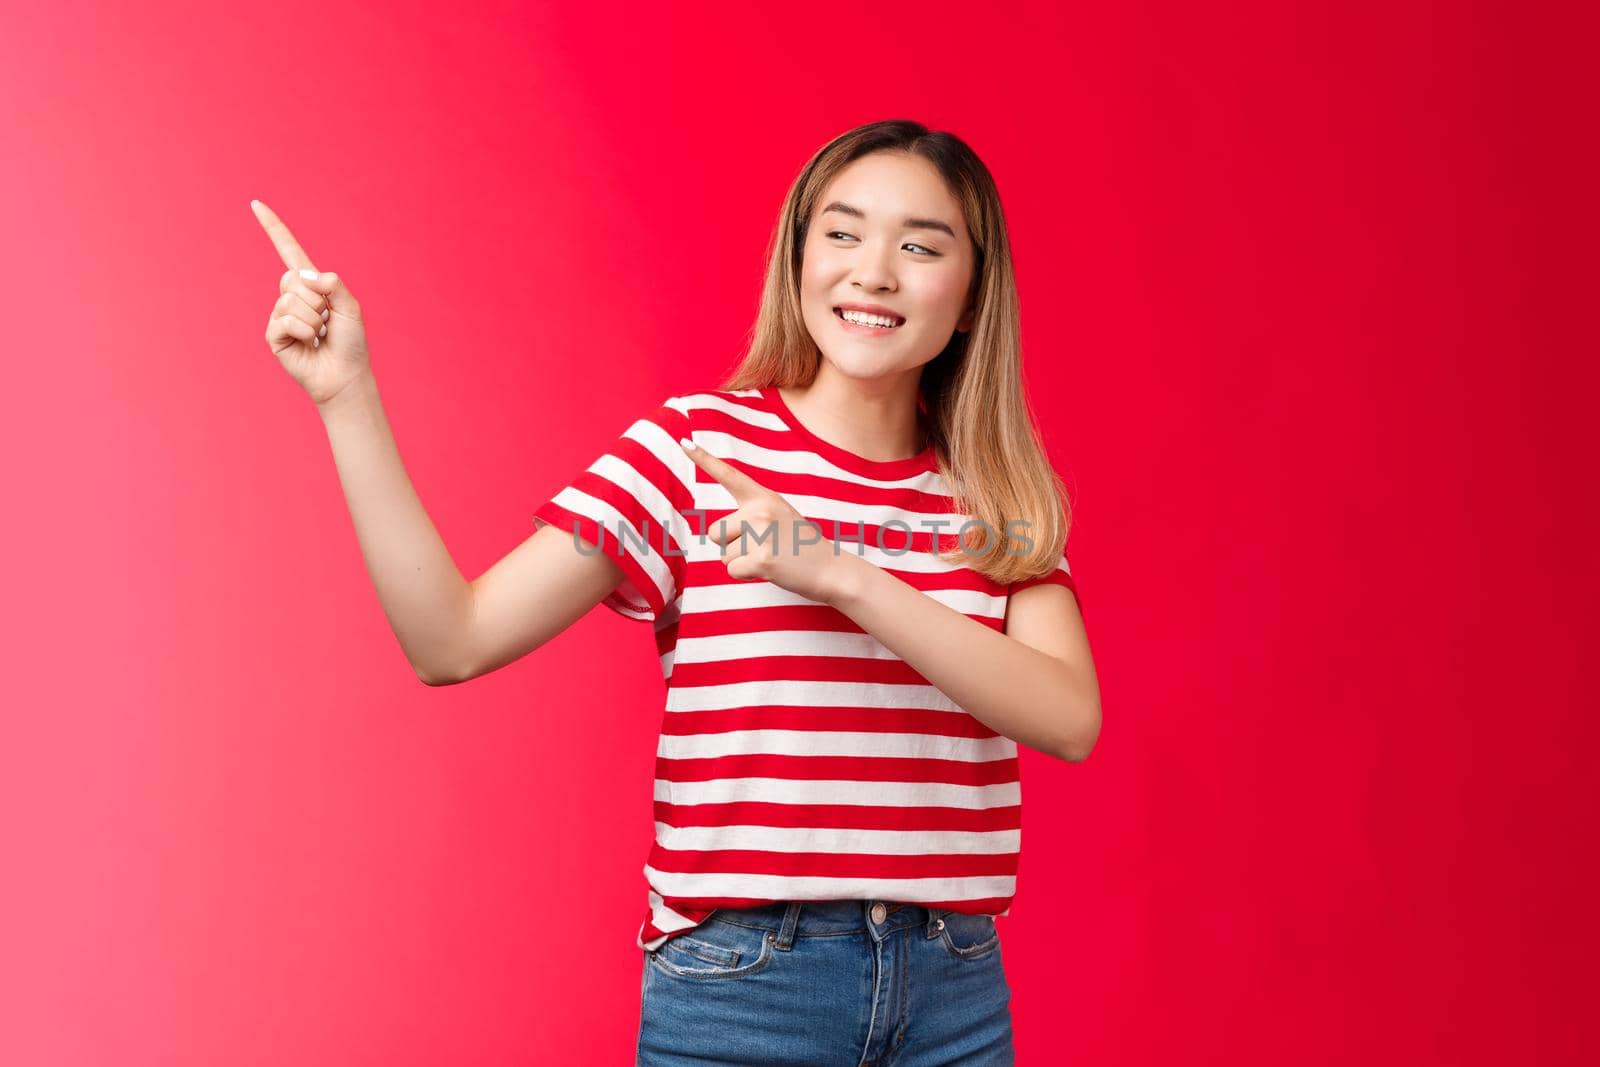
874,268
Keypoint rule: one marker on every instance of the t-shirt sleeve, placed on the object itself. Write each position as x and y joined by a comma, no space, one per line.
629,504
1062,575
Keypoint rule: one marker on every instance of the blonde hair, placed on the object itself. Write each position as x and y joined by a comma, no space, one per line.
975,410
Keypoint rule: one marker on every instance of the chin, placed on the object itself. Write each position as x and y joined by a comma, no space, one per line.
855,366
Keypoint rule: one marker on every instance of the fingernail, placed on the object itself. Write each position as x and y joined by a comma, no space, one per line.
686,443
315,341
324,331
324,314
308,274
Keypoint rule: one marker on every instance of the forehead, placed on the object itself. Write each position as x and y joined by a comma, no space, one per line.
890,186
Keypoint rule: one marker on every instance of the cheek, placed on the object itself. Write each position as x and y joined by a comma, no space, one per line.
809,285
942,299
815,269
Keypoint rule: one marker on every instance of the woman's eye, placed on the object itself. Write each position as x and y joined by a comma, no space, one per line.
841,233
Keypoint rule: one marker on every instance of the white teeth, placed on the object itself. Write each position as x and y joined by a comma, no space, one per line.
863,319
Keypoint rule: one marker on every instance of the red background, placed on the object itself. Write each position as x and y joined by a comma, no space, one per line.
1301,289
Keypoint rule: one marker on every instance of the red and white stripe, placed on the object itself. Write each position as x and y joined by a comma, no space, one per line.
799,759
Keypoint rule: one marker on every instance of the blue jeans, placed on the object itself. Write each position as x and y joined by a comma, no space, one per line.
835,982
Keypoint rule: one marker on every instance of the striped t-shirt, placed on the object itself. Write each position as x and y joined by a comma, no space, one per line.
799,759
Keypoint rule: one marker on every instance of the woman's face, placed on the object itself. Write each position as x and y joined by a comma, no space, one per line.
889,234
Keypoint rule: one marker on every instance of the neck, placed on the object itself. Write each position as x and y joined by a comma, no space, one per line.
876,418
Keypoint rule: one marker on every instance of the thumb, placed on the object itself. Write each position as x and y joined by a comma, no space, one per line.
340,298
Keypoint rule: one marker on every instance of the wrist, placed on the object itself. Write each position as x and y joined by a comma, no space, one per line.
359,391
848,581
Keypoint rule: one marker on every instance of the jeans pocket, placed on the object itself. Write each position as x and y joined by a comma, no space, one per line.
968,937
716,949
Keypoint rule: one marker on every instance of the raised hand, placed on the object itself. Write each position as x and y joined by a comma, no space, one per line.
315,328
765,537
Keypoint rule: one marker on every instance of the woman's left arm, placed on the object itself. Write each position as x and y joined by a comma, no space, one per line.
1035,683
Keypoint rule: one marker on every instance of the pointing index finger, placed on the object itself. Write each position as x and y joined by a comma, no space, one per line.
294,257
743,487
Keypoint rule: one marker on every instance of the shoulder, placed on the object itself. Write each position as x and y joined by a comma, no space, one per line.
706,407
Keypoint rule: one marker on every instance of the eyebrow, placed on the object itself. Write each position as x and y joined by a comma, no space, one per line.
912,223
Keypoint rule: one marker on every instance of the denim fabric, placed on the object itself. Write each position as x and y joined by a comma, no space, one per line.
819,983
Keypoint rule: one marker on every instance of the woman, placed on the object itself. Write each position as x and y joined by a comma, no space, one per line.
837,803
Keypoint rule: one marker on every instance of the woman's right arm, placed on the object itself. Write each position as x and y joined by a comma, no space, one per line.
450,629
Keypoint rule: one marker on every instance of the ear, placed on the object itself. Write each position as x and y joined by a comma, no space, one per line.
965,322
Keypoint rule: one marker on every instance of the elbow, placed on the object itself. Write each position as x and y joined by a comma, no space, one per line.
1077,753
454,658
451,672
1078,745
434,677
430,679
447,666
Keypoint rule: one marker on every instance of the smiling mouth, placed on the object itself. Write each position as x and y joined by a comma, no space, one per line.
898,321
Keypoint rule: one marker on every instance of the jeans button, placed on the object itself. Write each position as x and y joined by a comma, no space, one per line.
879,912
